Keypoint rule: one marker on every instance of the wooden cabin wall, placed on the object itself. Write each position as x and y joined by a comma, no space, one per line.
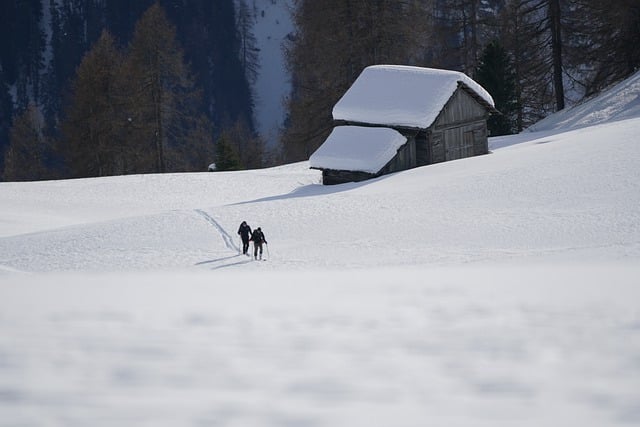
332,177
460,130
481,139
404,159
461,108
459,142
423,153
436,143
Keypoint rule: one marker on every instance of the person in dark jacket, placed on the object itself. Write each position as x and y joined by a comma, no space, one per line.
245,233
257,237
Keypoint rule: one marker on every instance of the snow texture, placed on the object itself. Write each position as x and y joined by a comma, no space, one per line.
498,291
622,101
356,148
403,96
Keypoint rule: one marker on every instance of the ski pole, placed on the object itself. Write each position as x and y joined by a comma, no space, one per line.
268,254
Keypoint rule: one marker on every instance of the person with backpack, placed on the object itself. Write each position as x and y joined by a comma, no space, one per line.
257,237
244,232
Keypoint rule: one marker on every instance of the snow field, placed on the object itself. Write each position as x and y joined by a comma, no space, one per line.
500,290
511,347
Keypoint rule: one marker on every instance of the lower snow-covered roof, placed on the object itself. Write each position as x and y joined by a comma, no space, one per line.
356,148
397,95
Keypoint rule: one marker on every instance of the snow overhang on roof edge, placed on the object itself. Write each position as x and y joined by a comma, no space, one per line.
480,99
355,148
406,97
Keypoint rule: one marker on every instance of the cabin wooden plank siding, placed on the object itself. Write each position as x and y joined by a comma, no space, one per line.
455,127
459,131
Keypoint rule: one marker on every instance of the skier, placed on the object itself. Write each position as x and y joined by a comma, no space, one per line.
244,232
257,237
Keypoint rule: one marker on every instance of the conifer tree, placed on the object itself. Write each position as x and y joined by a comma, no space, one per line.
161,104
526,39
249,146
227,158
94,123
28,152
495,73
6,112
555,28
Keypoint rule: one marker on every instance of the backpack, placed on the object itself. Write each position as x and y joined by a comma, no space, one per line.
257,236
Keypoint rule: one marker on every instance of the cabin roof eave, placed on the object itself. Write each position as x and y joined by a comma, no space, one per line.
341,122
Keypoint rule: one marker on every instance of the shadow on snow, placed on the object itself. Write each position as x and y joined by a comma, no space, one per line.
212,261
316,190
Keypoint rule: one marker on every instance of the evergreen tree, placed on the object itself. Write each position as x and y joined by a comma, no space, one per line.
495,73
249,146
27,156
526,39
555,28
162,99
195,149
226,155
94,124
220,48
6,111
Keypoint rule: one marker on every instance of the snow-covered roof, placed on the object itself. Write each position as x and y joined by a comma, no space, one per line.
397,95
356,148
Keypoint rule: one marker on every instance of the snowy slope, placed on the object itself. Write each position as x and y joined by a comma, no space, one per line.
621,101
561,195
499,290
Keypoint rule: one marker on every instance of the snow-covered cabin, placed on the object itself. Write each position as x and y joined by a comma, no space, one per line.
397,117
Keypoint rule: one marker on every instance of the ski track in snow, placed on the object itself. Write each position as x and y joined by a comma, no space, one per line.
226,237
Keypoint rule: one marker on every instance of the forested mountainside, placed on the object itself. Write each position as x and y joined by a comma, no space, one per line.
122,80
104,87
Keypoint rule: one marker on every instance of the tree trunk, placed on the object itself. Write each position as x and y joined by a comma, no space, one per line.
556,47
158,134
